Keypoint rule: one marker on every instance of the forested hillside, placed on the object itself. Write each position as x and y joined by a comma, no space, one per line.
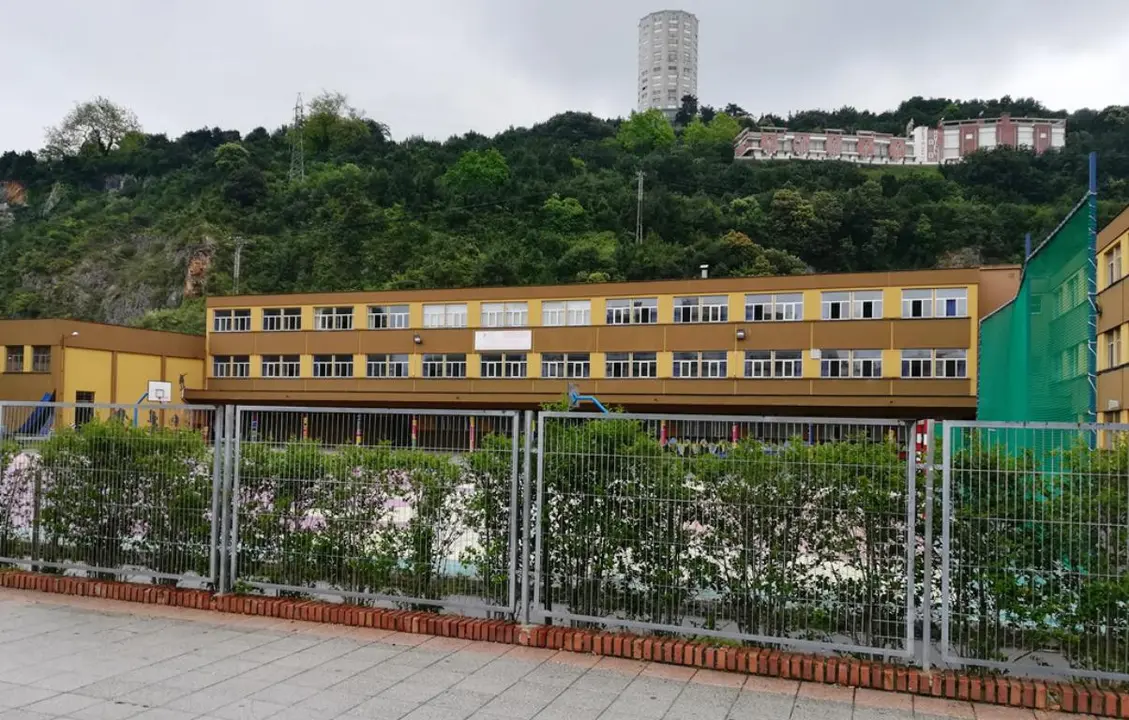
121,226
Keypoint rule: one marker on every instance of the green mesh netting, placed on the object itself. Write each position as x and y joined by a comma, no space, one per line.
1036,358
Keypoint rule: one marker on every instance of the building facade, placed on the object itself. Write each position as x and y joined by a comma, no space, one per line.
668,60
1113,321
71,361
876,343
947,142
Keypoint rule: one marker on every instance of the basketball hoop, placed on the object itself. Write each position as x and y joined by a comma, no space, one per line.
160,392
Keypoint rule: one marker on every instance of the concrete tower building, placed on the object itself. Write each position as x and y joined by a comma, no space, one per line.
668,60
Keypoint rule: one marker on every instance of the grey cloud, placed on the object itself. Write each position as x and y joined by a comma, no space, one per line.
441,67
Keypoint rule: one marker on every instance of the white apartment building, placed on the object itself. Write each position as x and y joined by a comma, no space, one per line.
668,60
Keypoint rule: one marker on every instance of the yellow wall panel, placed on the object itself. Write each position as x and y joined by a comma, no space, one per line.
533,365
87,371
599,311
133,376
973,337
534,308
666,310
813,302
811,365
306,366
473,365
664,364
360,365
891,363
191,369
598,364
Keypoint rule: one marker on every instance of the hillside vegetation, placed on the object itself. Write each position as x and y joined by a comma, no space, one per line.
121,226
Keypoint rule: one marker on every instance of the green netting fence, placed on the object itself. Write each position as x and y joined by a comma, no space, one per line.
1037,352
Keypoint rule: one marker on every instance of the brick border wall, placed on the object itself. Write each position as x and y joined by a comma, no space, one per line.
849,672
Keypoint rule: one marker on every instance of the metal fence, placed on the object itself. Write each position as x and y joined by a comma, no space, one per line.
1035,548
812,533
414,507
779,530
110,490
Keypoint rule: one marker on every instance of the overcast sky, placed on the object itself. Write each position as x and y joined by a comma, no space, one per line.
443,67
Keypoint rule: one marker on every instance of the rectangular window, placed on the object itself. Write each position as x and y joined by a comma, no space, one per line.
14,359
834,363
445,316
866,363
952,302
917,363
333,318
333,366
817,146
917,303
231,321
632,311
570,365
385,366
386,317
41,359
836,306
83,415
281,366
715,364
566,312
504,365
758,364
282,319
1113,348
233,366
867,305
952,364
686,364
1113,265
511,314
451,365
631,365
706,309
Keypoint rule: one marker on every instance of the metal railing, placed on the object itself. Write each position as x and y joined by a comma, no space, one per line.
1035,548
794,531
1006,548
414,507
110,490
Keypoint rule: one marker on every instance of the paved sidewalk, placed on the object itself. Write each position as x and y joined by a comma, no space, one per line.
63,657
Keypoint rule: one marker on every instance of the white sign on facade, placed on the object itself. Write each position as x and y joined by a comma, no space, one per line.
499,340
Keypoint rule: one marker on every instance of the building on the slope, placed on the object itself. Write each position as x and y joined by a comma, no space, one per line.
897,344
668,60
1113,321
947,142
81,362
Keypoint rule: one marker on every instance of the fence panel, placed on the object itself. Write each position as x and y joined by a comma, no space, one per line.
410,507
110,490
798,532
1035,548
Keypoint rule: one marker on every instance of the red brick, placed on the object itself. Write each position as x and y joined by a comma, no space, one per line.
843,672
1069,698
854,674
888,679
796,663
637,648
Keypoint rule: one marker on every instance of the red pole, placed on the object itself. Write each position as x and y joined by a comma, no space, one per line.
415,430
472,438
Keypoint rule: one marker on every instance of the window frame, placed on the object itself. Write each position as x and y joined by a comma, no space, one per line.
454,315
505,365
338,321
396,366
284,316
279,366
395,317
631,311
233,366
959,362
510,314
922,296
918,359
866,366
1113,264
866,305
1113,348
832,359
960,298
444,366
9,366
37,354
704,309
229,320
830,301
334,363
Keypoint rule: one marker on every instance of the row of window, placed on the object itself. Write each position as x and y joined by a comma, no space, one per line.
707,364
40,359
783,307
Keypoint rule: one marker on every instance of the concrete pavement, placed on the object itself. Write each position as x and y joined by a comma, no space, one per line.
86,659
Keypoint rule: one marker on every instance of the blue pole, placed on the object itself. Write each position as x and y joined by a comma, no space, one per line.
137,404
1026,248
1092,282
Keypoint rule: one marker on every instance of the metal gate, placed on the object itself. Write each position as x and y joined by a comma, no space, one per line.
411,507
791,531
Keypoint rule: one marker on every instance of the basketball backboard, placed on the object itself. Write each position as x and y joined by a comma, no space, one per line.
160,392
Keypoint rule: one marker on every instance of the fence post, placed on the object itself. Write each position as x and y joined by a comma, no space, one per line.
538,546
515,479
911,532
927,561
215,554
225,535
946,532
526,530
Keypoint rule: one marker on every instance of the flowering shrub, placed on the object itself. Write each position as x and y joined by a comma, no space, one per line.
375,520
111,496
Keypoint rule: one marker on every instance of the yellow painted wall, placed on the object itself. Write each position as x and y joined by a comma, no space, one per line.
974,336
191,368
133,376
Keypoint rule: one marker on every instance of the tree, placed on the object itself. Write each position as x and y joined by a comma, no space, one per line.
98,124
333,125
688,111
477,173
646,132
